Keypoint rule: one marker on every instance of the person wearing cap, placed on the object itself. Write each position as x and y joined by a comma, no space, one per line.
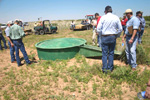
142,25
11,45
3,39
131,38
98,17
123,23
16,34
110,27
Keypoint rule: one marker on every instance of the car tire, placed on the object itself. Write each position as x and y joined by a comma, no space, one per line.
42,32
36,33
53,31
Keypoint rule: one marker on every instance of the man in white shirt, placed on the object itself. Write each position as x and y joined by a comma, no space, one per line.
72,25
11,45
110,27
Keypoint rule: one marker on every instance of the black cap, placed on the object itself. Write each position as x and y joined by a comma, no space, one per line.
108,9
139,12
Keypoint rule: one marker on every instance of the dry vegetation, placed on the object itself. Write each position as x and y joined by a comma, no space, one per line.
77,79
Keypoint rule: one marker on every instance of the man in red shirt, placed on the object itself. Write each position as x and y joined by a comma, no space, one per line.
123,23
98,34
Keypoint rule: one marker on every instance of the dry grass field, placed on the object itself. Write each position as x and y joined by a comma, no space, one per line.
79,78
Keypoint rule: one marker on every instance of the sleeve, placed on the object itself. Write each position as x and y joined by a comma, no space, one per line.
136,23
7,32
10,32
119,27
100,26
22,34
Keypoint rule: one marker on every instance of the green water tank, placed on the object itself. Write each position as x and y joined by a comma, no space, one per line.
62,48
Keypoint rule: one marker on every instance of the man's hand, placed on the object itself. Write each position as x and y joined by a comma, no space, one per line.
130,41
123,40
26,33
12,45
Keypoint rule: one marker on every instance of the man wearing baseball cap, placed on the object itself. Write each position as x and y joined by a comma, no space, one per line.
110,27
11,45
142,25
131,38
16,34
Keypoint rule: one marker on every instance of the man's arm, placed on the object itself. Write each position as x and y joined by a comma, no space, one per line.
119,26
136,25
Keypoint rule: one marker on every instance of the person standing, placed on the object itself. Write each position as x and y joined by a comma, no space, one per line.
3,39
98,17
142,25
16,34
131,38
94,24
111,28
72,25
123,23
11,45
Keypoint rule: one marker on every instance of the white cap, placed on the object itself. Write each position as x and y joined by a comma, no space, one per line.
17,20
10,22
128,11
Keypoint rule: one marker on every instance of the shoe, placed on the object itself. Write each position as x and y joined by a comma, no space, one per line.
133,69
20,65
14,62
29,63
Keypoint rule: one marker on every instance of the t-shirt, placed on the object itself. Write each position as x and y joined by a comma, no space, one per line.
98,20
7,31
124,21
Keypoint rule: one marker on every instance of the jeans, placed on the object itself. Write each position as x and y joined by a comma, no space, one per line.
72,26
124,29
131,51
108,47
140,36
4,41
12,50
99,40
18,44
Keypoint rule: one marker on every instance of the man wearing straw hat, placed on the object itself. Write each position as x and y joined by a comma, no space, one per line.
132,27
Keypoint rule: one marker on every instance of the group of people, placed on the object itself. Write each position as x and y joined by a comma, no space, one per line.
14,34
108,28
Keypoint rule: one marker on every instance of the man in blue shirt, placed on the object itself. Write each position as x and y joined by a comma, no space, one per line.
131,38
3,39
11,45
142,25
110,27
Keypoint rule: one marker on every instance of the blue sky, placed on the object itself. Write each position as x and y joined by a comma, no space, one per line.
30,10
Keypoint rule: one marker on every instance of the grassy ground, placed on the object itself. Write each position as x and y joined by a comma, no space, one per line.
77,79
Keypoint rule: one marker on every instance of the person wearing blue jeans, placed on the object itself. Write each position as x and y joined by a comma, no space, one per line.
16,34
108,47
109,28
131,51
3,39
131,38
11,46
18,44
142,25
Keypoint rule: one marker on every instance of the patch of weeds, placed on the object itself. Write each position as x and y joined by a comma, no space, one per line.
94,86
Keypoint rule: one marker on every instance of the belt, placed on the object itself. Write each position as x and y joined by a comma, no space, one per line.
110,35
16,39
